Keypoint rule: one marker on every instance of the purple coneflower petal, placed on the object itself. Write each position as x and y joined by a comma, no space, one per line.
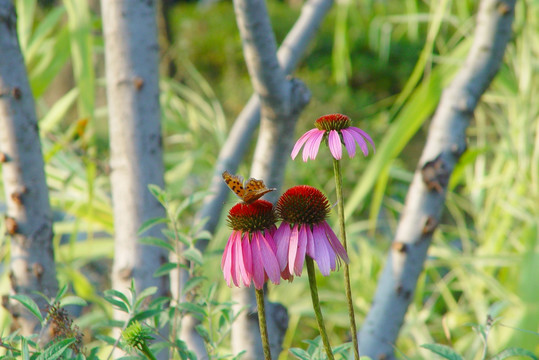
271,265
258,266
335,243
302,247
293,249
334,142
247,259
312,145
240,273
360,139
282,237
310,241
322,256
349,142
301,141
226,262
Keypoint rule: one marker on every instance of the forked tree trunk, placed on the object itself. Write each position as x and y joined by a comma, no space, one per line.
28,220
131,60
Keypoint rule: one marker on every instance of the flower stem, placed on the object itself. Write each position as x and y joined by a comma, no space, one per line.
146,351
340,206
262,323
316,307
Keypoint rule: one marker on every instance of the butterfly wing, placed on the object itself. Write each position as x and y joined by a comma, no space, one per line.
254,190
235,183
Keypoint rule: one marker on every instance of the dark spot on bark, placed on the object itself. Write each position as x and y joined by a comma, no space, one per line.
430,225
11,225
5,301
398,289
138,82
382,357
125,273
38,270
435,174
399,246
503,8
458,150
17,198
17,93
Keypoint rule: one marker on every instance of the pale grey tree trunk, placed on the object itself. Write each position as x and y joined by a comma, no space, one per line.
446,141
131,61
28,220
281,101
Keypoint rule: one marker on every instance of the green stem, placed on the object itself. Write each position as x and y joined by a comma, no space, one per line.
262,323
316,307
146,351
348,290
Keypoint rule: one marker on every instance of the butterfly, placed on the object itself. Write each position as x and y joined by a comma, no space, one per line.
249,192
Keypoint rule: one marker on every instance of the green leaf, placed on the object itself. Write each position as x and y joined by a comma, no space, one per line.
56,350
29,304
201,330
158,193
165,269
150,223
143,315
25,351
196,197
155,241
112,297
300,353
73,300
442,350
58,111
509,352
192,308
194,255
149,291
192,283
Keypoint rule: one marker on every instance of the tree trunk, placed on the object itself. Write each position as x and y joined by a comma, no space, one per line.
131,60
446,141
29,219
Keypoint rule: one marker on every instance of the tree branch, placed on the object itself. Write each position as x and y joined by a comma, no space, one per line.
446,142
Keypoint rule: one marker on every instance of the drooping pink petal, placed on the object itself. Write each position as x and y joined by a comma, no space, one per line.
311,147
334,142
302,247
226,262
349,142
282,238
311,250
335,243
293,249
361,139
240,274
247,259
258,266
285,274
271,265
233,260
322,255
300,142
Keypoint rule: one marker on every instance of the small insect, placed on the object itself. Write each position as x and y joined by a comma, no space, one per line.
249,192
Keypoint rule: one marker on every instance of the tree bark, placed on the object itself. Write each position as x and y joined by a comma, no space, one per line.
28,220
446,141
131,60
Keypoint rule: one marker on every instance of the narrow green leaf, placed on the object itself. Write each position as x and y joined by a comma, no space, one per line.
60,294
196,197
510,352
194,255
56,350
442,350
300,353
193,282
143,315
144,294
73,300
192,308
165,269
150,223
25,351
29,304
158,193
155,241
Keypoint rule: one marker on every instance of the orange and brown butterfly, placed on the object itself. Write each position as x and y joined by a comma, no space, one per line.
250,191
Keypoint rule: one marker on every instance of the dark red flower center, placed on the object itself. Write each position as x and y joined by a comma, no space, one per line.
257,216
333,122
302,204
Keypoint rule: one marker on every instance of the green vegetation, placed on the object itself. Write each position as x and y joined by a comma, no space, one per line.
384,64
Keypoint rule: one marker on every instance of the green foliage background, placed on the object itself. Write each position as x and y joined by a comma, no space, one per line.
382,63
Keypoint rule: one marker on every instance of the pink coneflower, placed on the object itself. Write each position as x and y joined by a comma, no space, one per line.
250,251
305,231
336,129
